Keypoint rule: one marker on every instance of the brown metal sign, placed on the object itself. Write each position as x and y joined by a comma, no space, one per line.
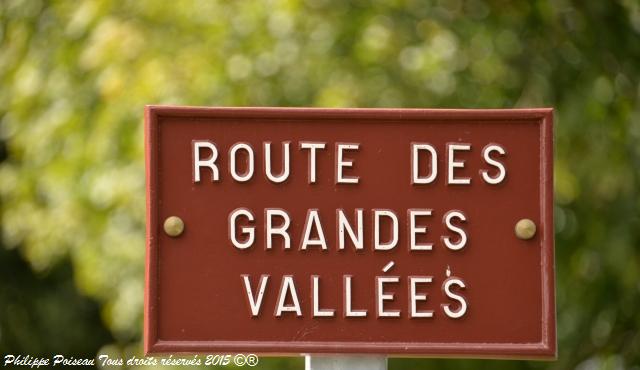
387,231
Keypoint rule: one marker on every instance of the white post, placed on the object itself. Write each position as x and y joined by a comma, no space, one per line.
345,362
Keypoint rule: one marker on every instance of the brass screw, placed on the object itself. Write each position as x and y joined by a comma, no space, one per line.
173,226
525,229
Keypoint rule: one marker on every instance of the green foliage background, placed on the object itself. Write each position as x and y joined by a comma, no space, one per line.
75,75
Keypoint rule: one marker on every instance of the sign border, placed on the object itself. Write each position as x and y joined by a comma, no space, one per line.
546,349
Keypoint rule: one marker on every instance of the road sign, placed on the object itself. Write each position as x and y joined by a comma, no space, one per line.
362,231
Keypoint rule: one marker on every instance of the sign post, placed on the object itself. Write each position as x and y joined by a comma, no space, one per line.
350,232
345,363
